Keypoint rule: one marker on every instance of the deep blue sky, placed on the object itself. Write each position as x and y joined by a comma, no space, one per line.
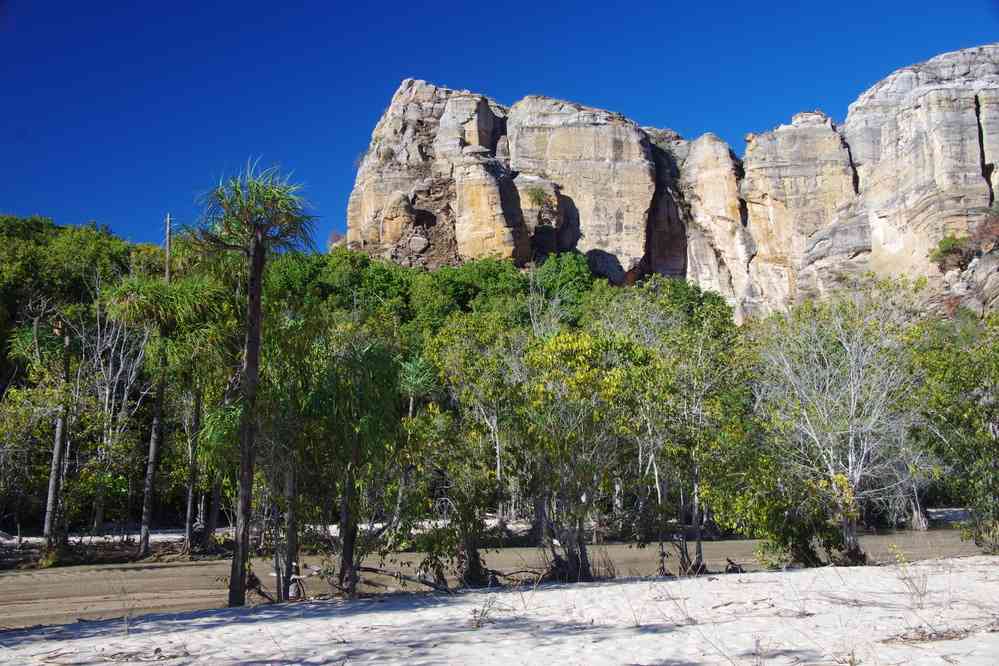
121,111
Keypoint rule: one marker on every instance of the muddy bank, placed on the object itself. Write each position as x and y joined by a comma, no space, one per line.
66,594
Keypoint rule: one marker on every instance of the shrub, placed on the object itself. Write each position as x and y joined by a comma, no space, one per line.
952,252
537,196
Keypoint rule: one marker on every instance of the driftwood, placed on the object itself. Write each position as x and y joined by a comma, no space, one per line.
401,576
253,584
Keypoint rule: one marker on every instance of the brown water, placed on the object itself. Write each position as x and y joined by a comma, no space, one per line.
62,595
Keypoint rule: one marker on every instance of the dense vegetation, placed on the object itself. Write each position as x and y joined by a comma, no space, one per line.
353,406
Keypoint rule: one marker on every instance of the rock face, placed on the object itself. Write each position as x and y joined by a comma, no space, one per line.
453,175
603,165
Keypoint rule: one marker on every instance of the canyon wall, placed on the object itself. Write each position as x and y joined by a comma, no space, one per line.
452,175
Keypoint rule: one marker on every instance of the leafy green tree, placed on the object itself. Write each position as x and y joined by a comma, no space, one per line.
358,403
692,387
575,401
960,399
566,277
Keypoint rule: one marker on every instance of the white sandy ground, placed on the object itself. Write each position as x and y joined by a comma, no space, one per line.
867,615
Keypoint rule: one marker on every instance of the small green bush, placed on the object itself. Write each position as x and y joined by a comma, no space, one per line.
537,196
952,252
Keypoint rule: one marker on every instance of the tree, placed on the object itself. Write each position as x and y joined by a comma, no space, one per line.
575,401
473,353
253,213
960,400
685,396
176,311
832,390
45,269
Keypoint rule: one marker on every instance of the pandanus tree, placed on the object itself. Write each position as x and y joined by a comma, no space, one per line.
179,311
253,213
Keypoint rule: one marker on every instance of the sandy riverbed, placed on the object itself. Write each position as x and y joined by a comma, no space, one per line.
943,611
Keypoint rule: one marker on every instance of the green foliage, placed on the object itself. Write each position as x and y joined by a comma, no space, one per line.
960,398
567,277
536,196
261,204
477,285
952,252
413,407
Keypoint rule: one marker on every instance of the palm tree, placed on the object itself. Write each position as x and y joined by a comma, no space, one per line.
252,213
176,311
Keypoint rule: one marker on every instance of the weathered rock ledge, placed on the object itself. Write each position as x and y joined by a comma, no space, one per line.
453,175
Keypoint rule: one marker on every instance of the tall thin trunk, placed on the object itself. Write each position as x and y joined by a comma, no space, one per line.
156,433
696,519
248,421
98,523
212,520
192,471
290,529
539,520
149,486
56,468
348,534
660,519
280,590
585,571
918,520
55,476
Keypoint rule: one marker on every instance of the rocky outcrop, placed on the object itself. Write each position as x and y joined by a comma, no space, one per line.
430,190
720,248
452,175
798,181
603,165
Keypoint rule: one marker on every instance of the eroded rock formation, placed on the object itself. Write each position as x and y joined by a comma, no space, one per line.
453,175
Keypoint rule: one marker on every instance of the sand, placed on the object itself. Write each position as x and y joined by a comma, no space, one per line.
92,592
943,611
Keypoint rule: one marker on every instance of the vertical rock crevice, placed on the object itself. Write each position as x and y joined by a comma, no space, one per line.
987,167
853,165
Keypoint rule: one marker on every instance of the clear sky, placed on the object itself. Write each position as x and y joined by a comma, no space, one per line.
119,112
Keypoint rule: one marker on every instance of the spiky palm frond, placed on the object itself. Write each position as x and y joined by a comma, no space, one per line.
263,203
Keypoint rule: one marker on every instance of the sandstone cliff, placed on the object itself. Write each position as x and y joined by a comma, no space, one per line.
453,175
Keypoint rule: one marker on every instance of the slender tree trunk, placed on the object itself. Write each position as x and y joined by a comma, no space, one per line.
58,451
130,499
660,519
192,472
55,476
539,520
851,544
98,509
348,535
248,422
212,520
149,487
618,506
585,570
696,519
290,530
156,433
918,520
404,481
278,555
